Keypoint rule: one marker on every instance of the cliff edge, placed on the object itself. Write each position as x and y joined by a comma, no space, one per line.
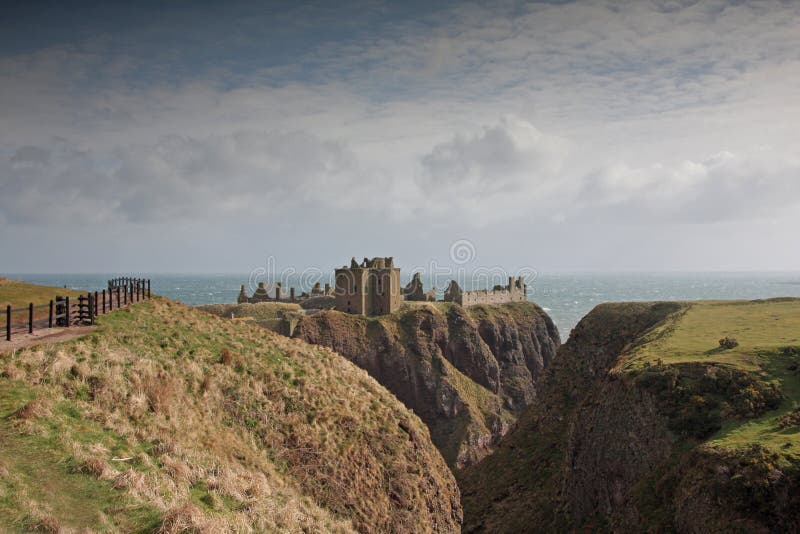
646,422
466,372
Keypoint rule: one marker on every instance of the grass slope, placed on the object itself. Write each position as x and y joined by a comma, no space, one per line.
265,314
170,418
767,332
19,294
44,485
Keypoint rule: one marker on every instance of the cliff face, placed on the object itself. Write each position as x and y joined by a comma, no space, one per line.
642,424
465,372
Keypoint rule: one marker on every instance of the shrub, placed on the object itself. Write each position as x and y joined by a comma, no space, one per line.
697,399
790,419
790,351
727,343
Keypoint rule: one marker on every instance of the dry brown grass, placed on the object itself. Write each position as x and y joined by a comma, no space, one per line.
45,523
97,467
184,518
33,410
161,389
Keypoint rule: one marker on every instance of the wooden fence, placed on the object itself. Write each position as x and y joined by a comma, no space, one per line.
76,311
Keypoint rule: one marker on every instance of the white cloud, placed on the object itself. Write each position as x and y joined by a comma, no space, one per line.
496,174
723,187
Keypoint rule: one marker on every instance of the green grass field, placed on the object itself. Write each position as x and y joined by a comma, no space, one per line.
20,294
764,330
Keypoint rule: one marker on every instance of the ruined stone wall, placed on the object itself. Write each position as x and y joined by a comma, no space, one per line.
491,296
515,291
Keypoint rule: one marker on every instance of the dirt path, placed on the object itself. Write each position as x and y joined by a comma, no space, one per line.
46,335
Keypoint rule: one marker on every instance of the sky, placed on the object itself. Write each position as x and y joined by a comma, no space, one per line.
557,136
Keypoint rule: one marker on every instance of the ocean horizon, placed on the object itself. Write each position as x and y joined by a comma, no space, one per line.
566,296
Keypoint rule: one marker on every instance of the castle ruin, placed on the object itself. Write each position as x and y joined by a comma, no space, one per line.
416,293
369,288
262,295
372,287
515,291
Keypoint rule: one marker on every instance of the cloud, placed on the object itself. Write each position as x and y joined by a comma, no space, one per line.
244,175
495,174
472,115
759,183
506,171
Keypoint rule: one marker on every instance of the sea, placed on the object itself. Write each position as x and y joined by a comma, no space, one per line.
567,297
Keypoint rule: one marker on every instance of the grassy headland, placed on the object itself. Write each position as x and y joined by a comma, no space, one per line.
766,362
166,417
646,423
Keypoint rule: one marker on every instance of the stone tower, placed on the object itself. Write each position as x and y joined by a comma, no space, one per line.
369,288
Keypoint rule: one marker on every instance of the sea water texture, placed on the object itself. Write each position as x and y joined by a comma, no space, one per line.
567,297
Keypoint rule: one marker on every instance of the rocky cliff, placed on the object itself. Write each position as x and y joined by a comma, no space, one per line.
466,373
644,423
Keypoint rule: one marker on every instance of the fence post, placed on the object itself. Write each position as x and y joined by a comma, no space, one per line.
67,311
148,288
90,306
96,306
50,317
8,322
118,304
30,318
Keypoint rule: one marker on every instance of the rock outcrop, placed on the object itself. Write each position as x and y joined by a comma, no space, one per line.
465,373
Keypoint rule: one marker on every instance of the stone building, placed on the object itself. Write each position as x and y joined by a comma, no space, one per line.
369,288
415,292
317,290
259,295
515,291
